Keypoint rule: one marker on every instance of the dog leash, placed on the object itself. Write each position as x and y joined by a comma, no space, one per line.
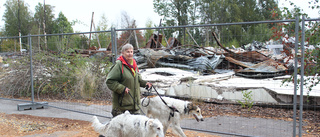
146,95
143,102
136,103
173,109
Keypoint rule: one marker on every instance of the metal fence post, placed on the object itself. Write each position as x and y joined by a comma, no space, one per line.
295,76
302,75
31,70
32,105
115,45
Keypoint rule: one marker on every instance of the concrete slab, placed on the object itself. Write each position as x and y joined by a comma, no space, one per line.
225,85
192,90
27,106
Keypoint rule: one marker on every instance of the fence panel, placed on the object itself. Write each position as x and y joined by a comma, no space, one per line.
233,71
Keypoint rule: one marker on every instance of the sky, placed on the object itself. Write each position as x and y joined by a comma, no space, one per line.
140,10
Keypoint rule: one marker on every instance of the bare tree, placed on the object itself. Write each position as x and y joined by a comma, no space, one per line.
133,37
126,21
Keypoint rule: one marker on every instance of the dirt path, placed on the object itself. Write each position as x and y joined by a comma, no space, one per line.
14,125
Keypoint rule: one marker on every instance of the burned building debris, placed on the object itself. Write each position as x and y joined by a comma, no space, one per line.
252,61
209,72
154,41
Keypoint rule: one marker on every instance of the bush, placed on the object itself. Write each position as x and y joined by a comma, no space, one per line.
58,76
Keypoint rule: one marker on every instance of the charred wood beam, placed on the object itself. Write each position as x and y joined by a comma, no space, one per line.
245,57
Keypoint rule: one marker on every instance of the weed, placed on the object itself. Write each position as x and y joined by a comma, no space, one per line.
247,100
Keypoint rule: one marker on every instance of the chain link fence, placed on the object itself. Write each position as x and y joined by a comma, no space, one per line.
233,69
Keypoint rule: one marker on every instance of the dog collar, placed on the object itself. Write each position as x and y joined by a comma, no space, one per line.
145,123
186,110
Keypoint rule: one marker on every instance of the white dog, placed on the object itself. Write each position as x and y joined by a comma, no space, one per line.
127,125
170,113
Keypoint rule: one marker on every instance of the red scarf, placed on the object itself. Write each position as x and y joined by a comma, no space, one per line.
125,62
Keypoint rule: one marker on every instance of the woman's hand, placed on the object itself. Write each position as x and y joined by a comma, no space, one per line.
148,85
127,90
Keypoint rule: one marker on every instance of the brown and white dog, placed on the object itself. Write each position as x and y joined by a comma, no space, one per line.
170,113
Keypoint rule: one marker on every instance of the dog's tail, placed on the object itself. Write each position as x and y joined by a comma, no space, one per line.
99,127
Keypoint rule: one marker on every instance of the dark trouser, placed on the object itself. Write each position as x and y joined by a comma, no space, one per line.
116,112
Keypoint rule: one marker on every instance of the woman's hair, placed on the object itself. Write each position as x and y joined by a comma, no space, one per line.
126,47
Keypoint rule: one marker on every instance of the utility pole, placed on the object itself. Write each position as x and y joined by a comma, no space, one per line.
135,35
157,44
94,26
39,36
19,26
44,24
91,29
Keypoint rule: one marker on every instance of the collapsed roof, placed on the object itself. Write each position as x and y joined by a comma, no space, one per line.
249,64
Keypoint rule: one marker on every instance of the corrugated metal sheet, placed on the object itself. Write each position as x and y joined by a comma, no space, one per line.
230,59
264,68
268,66
251,56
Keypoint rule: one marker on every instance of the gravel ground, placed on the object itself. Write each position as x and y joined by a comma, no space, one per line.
13,125
311,118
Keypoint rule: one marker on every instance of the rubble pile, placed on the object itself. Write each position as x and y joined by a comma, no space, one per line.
252,61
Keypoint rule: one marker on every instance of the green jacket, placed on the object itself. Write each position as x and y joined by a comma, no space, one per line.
119,77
